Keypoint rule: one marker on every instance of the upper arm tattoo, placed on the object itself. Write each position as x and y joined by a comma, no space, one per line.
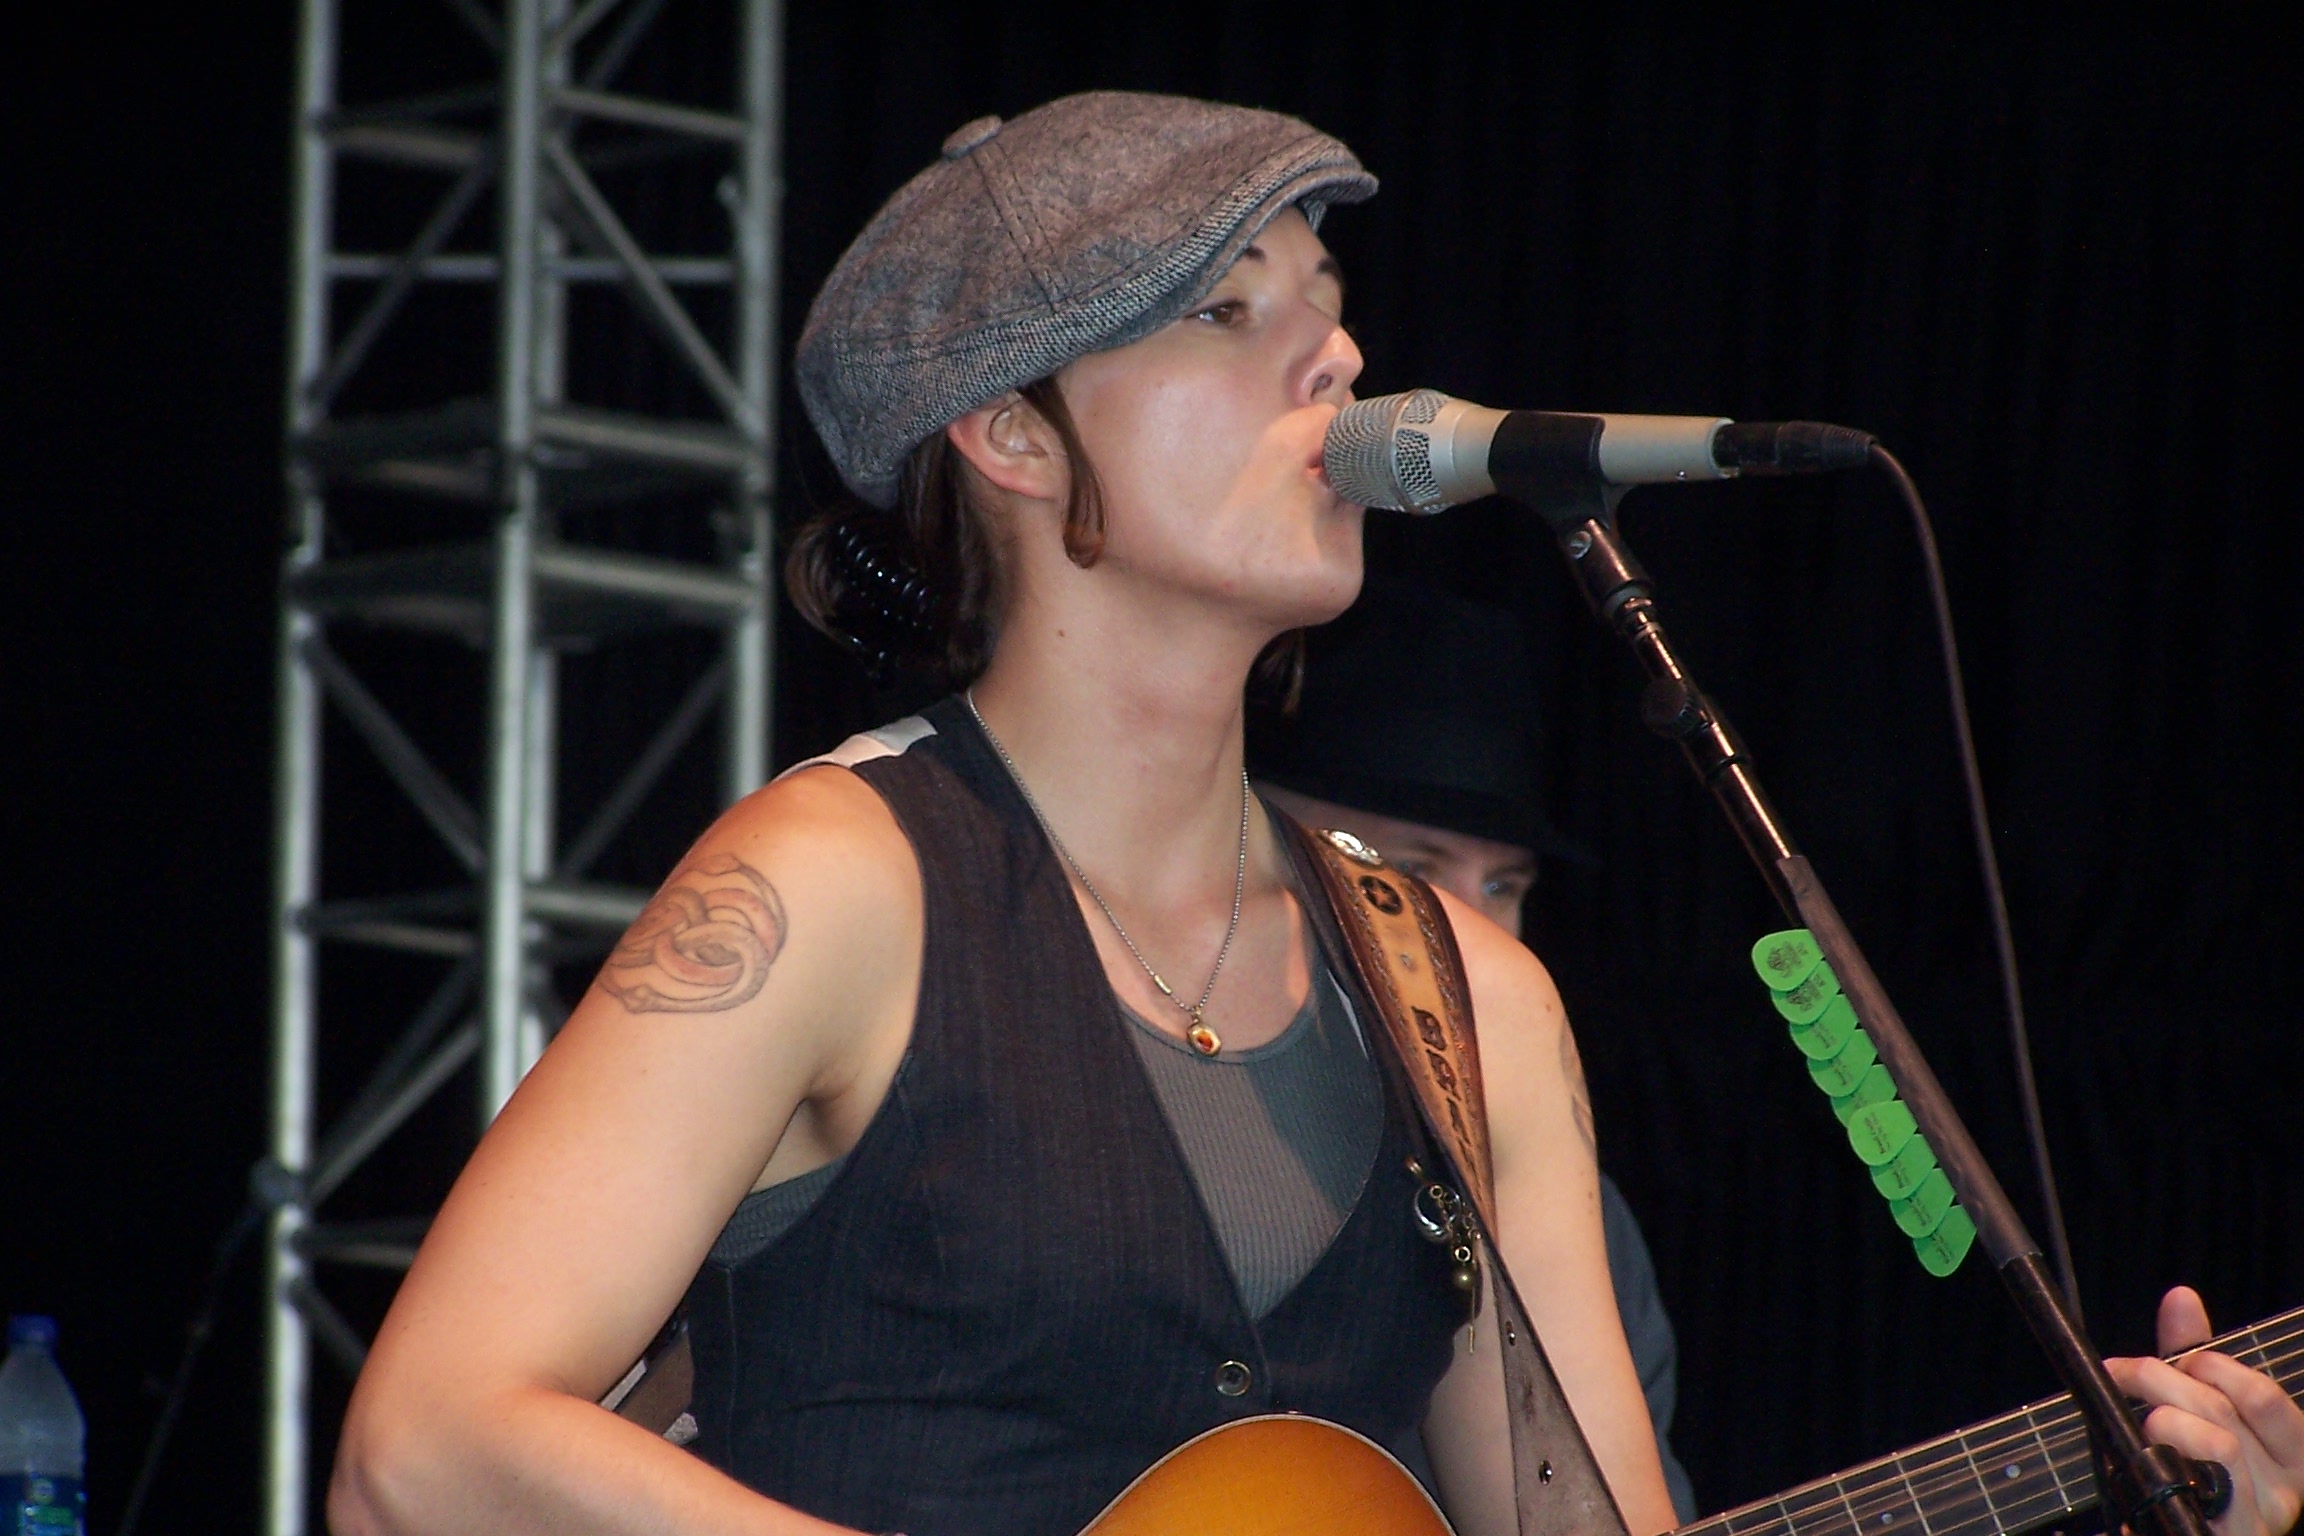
1579,1094
703,945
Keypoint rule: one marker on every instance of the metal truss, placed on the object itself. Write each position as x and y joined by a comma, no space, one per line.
520,590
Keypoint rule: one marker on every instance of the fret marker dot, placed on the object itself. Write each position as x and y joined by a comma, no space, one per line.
2011,1470
1888,1518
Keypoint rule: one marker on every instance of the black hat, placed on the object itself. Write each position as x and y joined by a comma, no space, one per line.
1420,706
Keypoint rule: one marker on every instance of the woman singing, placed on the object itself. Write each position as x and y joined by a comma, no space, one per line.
981,1089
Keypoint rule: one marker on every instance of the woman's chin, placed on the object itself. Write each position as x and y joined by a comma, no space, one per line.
1316,597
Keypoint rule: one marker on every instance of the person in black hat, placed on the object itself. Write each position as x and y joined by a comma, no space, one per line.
1415,712
1414,730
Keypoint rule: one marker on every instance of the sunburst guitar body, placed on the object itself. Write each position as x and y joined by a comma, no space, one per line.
1276,1475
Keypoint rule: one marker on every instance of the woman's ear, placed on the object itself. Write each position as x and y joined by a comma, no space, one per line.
1013,447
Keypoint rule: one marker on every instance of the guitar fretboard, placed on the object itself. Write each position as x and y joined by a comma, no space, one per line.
2003,1477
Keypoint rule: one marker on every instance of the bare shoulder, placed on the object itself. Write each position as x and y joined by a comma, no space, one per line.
824,830
1531,1069
1508,983
829,824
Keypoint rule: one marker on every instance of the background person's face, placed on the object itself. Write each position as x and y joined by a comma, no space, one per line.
1495,878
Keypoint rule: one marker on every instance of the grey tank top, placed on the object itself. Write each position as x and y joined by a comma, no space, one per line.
1279,1139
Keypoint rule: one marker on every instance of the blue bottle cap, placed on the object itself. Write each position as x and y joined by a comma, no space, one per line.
31,1328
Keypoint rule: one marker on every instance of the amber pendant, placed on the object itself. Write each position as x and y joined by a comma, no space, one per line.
1204,1040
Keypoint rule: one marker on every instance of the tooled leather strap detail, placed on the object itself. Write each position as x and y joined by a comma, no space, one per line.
1403,952
1406,954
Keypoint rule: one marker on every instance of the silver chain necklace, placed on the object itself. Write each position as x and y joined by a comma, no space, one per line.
1203,1039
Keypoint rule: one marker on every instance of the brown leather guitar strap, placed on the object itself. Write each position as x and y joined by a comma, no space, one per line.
1385,930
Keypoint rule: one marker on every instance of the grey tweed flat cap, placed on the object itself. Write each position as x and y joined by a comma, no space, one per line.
1083,224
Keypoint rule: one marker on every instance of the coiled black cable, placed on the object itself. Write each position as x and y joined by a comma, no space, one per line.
884,612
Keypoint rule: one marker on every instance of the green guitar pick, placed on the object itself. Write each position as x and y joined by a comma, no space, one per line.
1826,1035
1805,1003
1879,1131
1839,1076
1785,959
1907,1170
1875,1087
1920,1212
1942,1250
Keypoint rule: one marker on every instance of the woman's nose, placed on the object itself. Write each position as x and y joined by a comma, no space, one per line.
1327,376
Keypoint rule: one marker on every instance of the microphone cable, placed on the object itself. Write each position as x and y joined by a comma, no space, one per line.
1421,451
269,1188
1996,897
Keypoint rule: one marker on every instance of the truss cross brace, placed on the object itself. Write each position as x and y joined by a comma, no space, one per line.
522,454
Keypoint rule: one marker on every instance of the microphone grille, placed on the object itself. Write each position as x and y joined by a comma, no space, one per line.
1373,461
1412,465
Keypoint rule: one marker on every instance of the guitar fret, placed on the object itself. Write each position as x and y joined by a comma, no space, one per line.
1883,1507
2021,1486
1983,1485
1817,1510
1953,1497
1855,1521
1918,1508
1768,1519
2006,1477
2031,1447
2048,1458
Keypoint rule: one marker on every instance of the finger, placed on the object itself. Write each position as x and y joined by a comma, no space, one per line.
2183,1321
2268,1411
2162,1385
2196,1437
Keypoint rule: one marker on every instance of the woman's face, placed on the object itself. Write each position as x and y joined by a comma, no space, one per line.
1207,438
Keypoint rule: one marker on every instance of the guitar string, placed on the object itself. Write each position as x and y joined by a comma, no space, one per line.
1952,1496
1926,1487
1951,1491
1928,1492
2275,1364
2271,1348
1934,1462
1946,1499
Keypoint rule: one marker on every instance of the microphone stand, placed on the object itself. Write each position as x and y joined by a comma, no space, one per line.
2148,1488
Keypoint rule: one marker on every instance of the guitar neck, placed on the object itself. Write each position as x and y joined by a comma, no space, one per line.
2008,1475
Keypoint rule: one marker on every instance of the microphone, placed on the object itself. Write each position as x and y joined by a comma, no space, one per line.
1424,451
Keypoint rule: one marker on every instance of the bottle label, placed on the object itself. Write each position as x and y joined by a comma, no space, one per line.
43,1506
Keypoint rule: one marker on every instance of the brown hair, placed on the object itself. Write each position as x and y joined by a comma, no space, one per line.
922,586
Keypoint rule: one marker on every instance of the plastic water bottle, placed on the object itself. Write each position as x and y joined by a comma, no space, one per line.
42,1437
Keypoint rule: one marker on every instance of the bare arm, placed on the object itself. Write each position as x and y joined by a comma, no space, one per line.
1548,1227
745,1030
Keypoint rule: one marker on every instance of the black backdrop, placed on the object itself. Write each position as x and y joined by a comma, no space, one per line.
2055,268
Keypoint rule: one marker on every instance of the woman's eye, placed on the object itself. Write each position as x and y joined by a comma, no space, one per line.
1223,312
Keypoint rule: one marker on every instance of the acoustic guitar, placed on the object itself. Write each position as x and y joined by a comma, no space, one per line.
1286,1475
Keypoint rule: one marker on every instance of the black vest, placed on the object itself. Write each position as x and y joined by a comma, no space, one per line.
1010,1302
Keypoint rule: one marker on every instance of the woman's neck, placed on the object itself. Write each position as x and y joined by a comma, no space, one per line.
1134,753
